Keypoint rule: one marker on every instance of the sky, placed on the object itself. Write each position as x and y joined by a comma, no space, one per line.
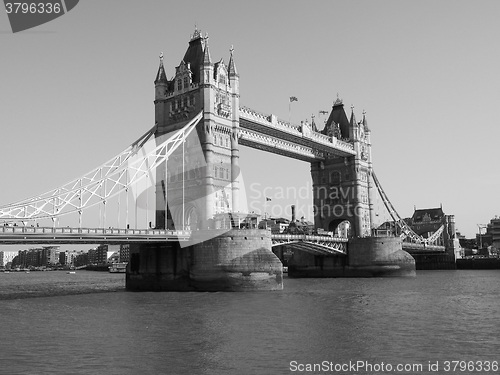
78,90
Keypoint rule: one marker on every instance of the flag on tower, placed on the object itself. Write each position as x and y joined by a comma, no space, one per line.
293,99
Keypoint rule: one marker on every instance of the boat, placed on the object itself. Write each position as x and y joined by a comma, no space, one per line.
118,267
71,272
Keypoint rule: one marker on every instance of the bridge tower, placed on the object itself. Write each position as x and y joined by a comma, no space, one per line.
342,185
210,166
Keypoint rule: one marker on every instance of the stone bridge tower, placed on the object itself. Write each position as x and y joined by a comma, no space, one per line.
210,166
342,186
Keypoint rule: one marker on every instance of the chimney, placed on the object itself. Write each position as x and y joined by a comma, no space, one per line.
293,213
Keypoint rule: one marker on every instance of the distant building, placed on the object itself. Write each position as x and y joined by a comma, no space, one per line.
49,256
277,225
124,253
81,258
98,256
114,258
426,221
1,259
493,229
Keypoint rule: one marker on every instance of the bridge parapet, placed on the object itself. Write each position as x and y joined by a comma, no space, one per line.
319,245
269,120
307,237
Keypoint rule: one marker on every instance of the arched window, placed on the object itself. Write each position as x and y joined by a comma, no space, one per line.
185,82
335,177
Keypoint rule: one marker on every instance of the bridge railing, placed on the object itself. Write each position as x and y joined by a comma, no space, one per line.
91,231
307,237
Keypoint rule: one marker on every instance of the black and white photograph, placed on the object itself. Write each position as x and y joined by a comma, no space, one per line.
249,187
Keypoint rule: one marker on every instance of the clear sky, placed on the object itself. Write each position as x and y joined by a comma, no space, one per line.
76,91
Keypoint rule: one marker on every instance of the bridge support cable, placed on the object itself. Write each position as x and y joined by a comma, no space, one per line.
117,162
101,184
406,231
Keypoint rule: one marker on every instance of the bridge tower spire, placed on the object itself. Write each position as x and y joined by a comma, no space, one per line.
341,184
210,166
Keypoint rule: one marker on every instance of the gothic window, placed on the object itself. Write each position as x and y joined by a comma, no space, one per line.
227,142
179,84
215,170
215,140
184,101
222,79
227,174
335,177
185,82
191,99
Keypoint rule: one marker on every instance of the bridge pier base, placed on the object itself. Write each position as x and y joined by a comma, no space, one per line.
238,260
367,257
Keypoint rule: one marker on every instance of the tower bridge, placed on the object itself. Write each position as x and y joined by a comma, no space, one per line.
186,169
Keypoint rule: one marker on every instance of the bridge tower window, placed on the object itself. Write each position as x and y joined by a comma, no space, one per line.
179,84
185,82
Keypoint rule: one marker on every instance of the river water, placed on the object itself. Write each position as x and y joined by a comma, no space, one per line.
86,323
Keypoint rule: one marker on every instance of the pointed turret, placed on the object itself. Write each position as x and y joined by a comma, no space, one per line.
207,60
352,122
232,66
365,123
160,75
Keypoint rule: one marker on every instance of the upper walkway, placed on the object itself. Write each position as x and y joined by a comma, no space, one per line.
268,133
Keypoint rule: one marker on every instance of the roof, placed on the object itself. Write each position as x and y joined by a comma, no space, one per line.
338,116
427,214
194,55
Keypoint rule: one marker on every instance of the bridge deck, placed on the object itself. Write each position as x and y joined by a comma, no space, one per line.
45,235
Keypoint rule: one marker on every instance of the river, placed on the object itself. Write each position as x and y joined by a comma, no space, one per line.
86,323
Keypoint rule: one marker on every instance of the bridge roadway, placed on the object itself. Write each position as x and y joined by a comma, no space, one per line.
10,235
320,245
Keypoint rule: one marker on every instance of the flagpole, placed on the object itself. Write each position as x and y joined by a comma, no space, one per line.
290,111
292,99
265,208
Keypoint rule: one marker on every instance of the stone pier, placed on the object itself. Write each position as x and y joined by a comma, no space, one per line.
366,257
237,260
